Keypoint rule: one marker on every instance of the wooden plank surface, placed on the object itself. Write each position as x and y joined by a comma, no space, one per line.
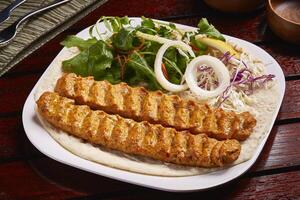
13,141
19,180
44,180
15,91
265,187
281,150
290,108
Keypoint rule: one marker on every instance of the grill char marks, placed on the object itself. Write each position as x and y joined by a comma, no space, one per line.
156,107
138,138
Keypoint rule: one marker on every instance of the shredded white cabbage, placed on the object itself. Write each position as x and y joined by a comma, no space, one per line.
237,100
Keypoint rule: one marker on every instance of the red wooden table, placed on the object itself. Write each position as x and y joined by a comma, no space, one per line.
25,173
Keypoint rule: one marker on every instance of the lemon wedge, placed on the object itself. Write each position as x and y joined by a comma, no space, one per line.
218,44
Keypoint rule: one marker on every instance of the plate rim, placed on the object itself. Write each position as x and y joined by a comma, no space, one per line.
165,183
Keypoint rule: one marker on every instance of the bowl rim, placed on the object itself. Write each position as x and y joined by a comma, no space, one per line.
285,19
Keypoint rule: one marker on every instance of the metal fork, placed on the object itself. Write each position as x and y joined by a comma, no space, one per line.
10,32
5,14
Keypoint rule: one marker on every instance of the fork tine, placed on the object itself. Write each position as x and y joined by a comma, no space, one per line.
10,32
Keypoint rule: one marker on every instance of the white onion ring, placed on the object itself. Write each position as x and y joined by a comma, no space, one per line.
220,70
158,62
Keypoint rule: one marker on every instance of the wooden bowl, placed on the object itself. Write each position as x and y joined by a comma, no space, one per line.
284,19
235,6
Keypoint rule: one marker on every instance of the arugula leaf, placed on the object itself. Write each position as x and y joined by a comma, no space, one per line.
112,74
96,58
175,63
124,20
171,54
141,72
99,59
173,76
94,61
152,47
209,30
148,23
200,47
118,23
74,41
172,60
182,62
164,32
198,44
147,26
77,64
123,40
172,26
114,24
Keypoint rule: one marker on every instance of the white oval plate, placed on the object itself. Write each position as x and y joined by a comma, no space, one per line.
47,145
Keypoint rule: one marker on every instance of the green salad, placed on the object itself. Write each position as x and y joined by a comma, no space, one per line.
128,54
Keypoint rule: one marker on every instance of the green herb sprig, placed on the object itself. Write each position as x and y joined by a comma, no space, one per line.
125,57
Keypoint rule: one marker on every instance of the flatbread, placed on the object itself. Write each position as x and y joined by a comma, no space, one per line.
262,108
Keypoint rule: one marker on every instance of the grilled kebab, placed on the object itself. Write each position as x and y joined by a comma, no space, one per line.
156,107
138,138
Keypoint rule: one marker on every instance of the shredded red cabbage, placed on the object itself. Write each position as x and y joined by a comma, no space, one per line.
204,69
244,79
226,57
208,71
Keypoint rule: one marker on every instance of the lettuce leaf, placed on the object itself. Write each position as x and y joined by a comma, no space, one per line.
94,60
209,30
